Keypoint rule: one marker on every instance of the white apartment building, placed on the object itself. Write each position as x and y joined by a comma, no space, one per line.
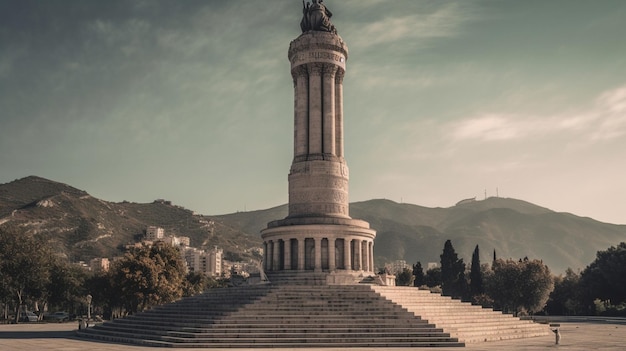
206,262
154,233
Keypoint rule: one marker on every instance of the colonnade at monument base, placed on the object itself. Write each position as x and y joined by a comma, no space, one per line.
343,252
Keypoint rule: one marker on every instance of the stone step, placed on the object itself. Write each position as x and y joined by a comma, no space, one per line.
296,315
462,320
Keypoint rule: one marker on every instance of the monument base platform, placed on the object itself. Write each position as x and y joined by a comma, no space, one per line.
321,278
319,245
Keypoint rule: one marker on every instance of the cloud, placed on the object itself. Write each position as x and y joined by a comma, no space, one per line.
424,24
604,120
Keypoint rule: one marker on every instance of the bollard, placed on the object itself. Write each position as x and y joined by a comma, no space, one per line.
557,332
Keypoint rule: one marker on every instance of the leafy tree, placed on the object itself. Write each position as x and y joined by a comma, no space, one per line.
433,277
418,274
148,276
195,283
104,298
604,278
405,278
65,289
518,286
476,275
24,267
564,299
452,273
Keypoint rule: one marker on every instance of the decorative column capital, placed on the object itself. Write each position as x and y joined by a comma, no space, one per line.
315,69
329,70
339,75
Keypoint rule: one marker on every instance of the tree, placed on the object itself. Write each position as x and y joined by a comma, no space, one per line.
518,286
418,274
66,287
148,276
564,299
404,278
604,279
476,276
195,283
24,267
452,273
433,277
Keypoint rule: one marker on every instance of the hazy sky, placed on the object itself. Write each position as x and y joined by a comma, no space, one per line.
192,101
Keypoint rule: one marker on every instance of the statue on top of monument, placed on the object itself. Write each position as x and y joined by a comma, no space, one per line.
316,17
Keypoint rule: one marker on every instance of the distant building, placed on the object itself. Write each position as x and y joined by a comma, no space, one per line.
206,262
154,233
176,240
398,266
432,265
466,201
99,264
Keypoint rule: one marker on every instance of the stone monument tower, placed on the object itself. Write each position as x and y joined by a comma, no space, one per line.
318,235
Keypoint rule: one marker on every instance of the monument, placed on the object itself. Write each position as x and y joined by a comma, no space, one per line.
318,235
316,254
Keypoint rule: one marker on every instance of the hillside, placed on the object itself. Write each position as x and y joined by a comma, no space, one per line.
514,228
82,227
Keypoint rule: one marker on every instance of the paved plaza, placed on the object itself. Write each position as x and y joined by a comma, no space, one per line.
60,337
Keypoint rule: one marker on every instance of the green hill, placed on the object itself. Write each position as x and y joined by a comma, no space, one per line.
82,227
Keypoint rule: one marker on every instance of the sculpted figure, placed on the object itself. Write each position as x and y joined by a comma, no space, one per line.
316,16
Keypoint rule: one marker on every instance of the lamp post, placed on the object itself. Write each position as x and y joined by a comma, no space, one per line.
89,297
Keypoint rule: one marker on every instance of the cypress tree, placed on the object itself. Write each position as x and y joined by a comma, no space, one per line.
418,273
452,273
476,276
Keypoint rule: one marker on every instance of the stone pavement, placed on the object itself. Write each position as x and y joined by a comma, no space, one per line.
57,337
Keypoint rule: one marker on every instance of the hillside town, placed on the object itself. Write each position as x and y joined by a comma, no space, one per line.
209,262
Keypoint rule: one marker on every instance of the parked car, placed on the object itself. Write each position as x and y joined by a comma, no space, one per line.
57,317
28,317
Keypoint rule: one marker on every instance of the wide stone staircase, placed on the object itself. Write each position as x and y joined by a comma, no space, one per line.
272,316
469,323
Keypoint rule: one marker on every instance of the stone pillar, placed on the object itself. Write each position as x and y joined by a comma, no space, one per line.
347,254
301,254
357,255
372,268
276,254
287,255
339,112
315,108
331,254
301,111
270,255
318,254
366,255
328,109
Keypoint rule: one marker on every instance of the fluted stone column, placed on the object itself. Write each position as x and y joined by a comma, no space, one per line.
339,112
276,254
331,254
301,261
318,254
357,255
287,254
301,111
371,254
347,254
365,256
328,108
315,108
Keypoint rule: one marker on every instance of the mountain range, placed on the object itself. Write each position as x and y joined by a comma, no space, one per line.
82,227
